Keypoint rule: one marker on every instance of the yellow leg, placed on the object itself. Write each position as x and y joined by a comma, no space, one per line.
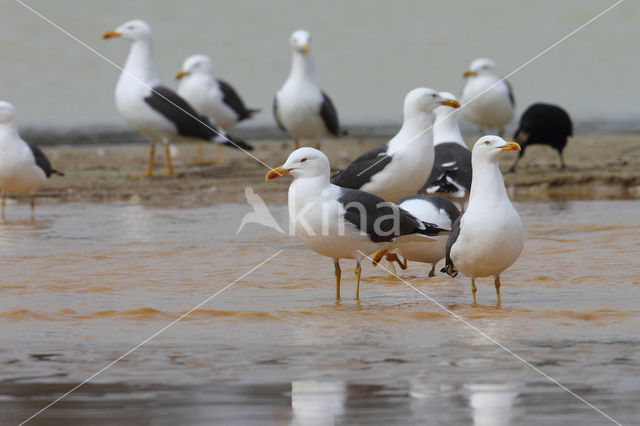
432,272
358,271
296,143
4,199
393,257
167,156
216,160
199,158
148,173
32,201
338,274
473,289
377,257
497,284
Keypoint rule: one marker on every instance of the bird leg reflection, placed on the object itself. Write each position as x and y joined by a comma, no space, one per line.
358,271
497,284
337,272
473,289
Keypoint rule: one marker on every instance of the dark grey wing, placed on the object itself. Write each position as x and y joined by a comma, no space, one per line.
377,218
233,101
449,267
360,171
452,162
511,97
187,120
329,115
41,160
275,114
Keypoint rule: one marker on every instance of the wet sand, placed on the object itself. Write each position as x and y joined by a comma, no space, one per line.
599,167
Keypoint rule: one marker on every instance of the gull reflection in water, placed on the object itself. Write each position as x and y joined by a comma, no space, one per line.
492,404
317,403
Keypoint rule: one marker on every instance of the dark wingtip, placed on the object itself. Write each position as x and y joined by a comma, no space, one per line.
57,172
448,269
238,143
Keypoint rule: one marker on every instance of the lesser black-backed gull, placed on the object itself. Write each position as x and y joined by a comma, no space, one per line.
154,110
401,166
488,237
451,173
211,96
300,107
23,166
342,223
488,100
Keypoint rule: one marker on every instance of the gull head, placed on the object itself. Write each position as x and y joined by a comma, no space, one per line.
132,30
7,113
195,64
481,66
490,148
444,109
300,40
303,163
425,100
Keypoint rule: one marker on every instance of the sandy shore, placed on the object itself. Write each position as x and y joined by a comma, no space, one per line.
599,167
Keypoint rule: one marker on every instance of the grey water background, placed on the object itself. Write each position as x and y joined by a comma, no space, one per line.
368,55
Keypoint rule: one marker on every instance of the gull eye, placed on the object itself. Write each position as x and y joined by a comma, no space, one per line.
433,95
487,142
303,160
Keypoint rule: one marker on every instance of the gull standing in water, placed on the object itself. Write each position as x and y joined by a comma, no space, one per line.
488,237
23,166
342,223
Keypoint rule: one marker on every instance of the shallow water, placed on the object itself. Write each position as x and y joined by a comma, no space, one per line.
88,282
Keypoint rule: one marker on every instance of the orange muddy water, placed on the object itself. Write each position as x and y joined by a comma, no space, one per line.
86,283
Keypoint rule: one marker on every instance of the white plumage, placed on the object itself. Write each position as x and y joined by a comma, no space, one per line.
451,172
342,223
489,102
437,210
23,167
401,166
212,97
488,237
152,109
300,107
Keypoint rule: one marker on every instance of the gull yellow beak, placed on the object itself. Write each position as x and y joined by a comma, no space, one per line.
511,146
304,48
181,74
276,173
111,34
450,103
468,73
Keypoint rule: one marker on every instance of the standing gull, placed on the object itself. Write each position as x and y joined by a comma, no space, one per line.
300,107
342,223
488,100
23,166
488,237
451,173
401,166
543,124
154,110
212,97
434,209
